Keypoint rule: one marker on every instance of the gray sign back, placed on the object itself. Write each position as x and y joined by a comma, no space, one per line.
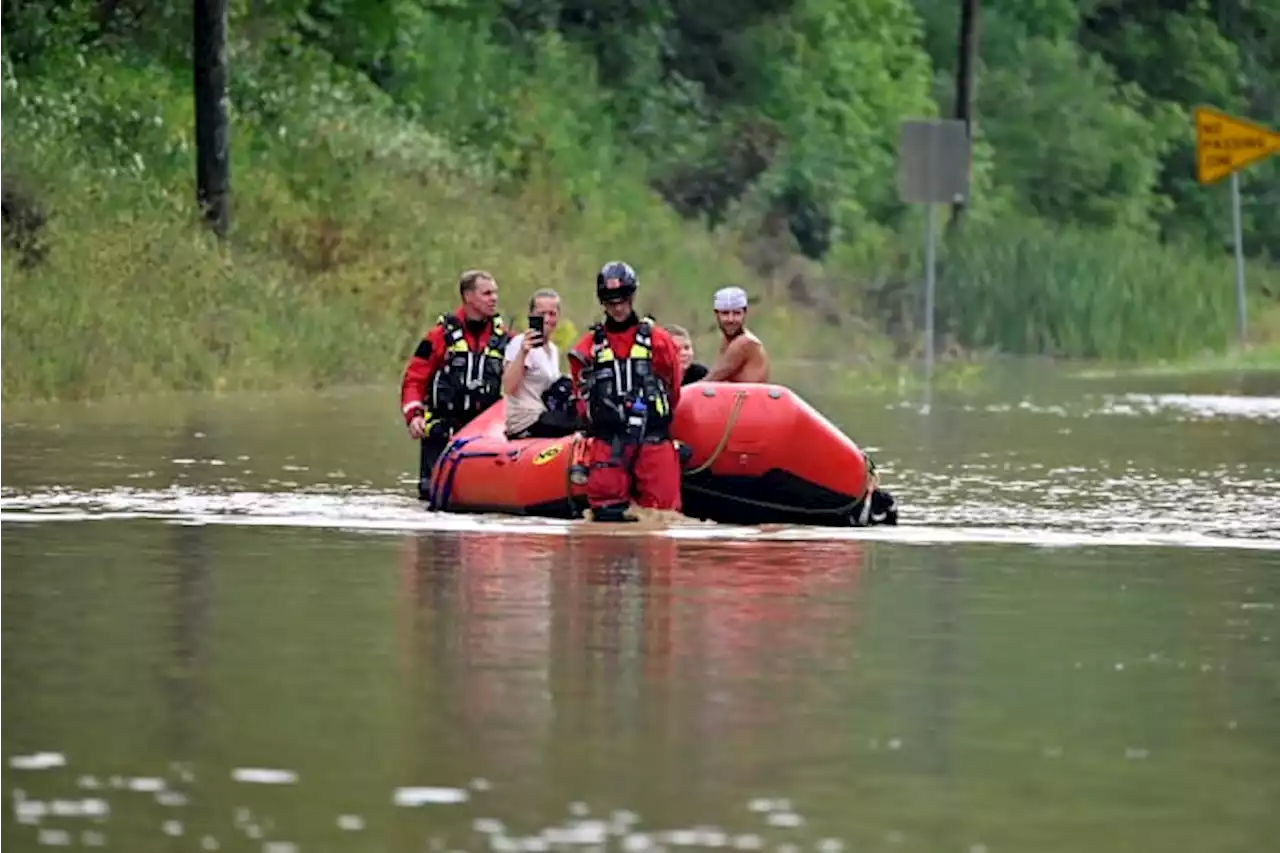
933,161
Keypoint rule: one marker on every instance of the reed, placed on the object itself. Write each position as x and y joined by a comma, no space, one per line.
1027,287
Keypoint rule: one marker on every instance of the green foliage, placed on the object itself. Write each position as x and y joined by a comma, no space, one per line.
1074,145
1036,288
841,78
1115,83
350,225
380,147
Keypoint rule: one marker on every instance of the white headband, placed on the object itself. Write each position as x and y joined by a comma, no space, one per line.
730,299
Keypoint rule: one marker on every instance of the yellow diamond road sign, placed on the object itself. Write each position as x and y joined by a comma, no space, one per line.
1226,144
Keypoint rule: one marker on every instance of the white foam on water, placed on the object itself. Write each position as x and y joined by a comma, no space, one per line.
38,761
784,819
637,842
89,807
988,523
264,776
1198,406
421,796
29,811
171,798
698,836
54,837
591,835
578,832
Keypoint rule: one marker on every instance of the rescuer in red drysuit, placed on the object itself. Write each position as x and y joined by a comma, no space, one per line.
455,373
626,372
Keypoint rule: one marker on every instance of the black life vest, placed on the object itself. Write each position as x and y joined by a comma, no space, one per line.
468,382
611,386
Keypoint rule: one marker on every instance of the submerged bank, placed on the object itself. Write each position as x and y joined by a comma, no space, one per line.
1261,358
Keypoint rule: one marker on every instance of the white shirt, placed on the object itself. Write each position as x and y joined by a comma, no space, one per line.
541,369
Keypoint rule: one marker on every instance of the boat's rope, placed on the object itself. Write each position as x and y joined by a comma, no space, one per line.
446,494
578,438
436,489
845,509
739,399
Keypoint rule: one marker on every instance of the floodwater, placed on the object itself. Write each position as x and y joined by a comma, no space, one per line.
228,626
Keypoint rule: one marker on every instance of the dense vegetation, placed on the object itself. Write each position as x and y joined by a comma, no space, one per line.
380,147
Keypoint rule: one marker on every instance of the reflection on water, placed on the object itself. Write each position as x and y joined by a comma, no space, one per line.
519,659
526,692
640,622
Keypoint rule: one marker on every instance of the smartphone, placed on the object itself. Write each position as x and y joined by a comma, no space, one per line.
535,325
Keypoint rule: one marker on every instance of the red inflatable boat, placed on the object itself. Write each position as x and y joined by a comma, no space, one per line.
759,455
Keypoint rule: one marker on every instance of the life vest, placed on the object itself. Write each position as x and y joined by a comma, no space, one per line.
612,386
559,395
468,382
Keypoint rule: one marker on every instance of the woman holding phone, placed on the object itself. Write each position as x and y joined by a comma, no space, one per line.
532,368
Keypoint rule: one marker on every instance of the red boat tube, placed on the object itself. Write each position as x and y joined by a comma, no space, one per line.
756,454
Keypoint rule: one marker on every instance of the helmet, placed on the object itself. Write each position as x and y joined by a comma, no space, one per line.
623,274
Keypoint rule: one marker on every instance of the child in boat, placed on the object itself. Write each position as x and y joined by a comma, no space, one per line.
684,347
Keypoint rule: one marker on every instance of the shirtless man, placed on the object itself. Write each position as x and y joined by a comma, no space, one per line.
742,356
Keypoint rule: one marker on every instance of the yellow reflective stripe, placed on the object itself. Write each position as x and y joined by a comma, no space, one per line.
605,355
638,351
459,346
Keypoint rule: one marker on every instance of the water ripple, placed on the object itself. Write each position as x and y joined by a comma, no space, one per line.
991,493
769,822
937,508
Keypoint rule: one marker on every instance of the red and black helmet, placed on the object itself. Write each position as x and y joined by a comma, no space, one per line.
615,282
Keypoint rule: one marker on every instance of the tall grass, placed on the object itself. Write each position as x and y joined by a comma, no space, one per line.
350,225
1027,287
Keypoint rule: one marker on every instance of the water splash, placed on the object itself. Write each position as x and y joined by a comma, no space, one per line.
774,822
1133,511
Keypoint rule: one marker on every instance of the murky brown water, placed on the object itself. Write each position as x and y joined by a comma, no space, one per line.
226,626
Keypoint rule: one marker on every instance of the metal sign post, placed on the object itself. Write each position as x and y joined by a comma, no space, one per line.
1237,236
1224,146
933,168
